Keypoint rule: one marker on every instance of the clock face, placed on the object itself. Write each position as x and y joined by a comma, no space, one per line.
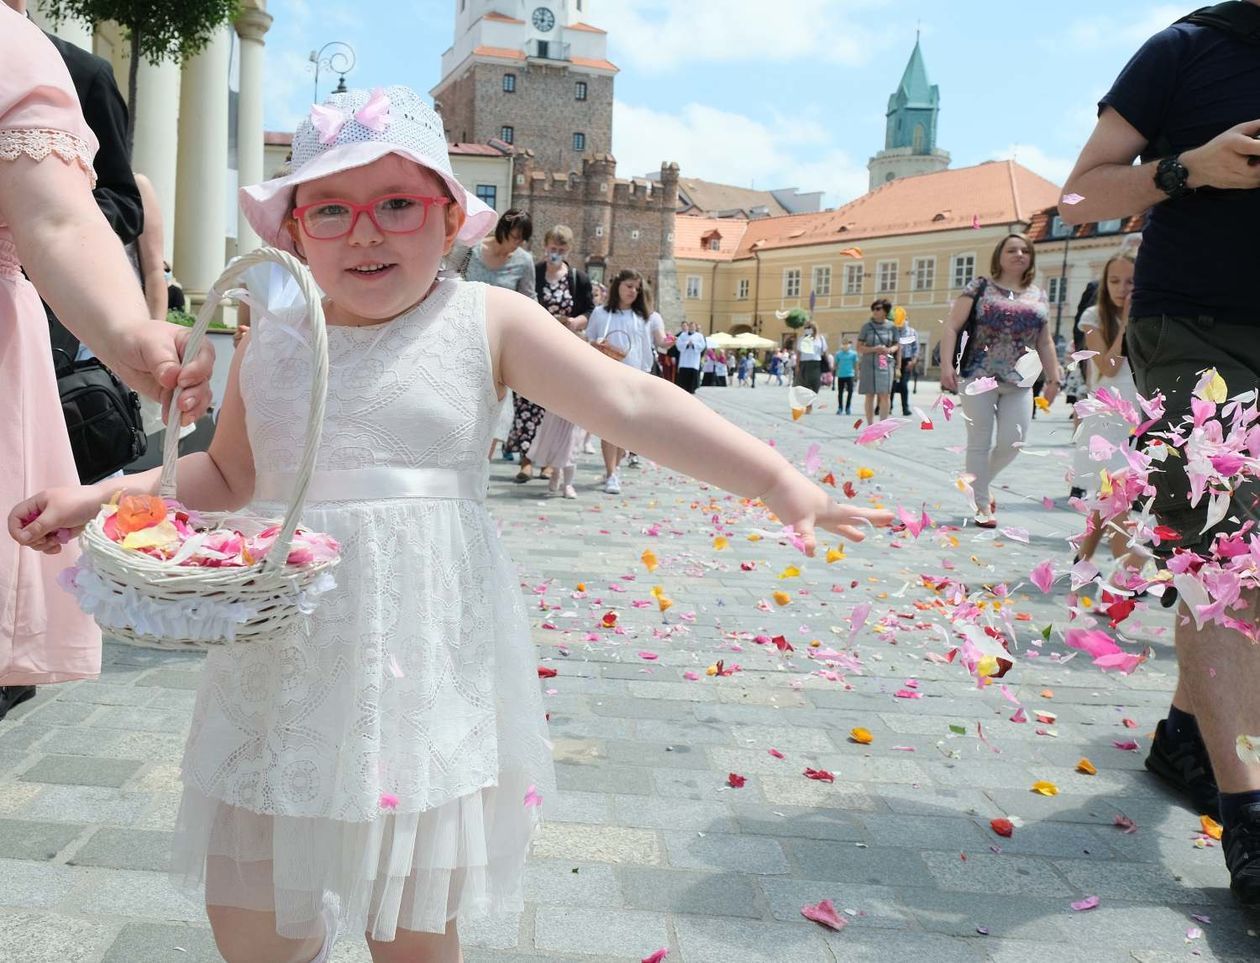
544,19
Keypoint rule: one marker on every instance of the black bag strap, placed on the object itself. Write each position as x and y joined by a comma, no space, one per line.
1235,17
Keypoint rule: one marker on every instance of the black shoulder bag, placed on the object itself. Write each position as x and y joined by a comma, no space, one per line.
1242,20
102,417
969,329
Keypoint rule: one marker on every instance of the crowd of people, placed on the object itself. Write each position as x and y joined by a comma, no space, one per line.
415,680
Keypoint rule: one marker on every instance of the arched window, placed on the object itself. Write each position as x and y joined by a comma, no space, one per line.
918,138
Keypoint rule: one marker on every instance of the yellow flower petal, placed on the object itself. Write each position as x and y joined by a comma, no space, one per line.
161,535
790,572
648,558
720,543
861,736
865,473
754,537
835,555
782,598
664,603
1086,767
1210,826
1214,389
1041,403
1045,788
987,666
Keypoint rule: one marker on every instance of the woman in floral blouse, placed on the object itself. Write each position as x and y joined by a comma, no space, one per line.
1012,319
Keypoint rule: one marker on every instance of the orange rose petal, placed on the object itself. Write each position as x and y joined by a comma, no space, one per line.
861,736
1045,788
782,598
1086,767
1210,827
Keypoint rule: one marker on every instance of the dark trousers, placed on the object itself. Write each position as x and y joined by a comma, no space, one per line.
844,393
688,379
902,387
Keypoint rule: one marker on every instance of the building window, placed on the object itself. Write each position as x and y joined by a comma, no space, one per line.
488,193
1058,290
962,268
924,273
741,292
693,287
715,244
580,90
886,277
1059,228
634,235
506,134
820,283
599,230
1110,227
579,141
792,283
853,277
509,83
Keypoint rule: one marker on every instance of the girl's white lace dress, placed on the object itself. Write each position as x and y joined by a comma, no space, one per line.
384,752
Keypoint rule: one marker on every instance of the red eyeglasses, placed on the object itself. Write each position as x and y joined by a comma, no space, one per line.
391,213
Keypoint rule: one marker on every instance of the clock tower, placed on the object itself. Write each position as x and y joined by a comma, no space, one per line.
910,133
533,73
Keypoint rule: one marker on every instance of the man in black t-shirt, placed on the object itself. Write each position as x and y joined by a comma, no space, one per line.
1188,104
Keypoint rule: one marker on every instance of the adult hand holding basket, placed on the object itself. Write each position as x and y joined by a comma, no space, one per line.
210,589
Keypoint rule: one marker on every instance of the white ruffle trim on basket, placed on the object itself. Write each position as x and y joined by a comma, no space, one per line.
197,619
37,143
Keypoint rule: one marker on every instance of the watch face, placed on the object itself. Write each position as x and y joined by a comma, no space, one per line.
544,19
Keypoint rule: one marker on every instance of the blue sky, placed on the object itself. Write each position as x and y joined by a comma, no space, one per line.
779,93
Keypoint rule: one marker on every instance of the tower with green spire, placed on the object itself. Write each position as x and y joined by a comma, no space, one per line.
910,133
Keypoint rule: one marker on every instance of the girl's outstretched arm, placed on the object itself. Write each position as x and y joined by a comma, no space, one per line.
221,479
549,365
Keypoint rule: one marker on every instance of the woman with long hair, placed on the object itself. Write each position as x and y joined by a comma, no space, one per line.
1011,319
1103,437
625,323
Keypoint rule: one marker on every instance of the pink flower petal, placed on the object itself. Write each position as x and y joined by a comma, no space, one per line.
1043,576
824,913
657,956
1088,903
532,799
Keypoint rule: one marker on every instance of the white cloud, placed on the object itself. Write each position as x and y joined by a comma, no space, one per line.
1122,34
287,89
1052,168
660,34
730,148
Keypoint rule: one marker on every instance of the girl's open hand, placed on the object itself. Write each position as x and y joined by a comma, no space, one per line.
48,520
798,502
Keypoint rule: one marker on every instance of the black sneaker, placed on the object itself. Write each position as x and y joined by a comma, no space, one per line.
1187,769
14,695
1241,843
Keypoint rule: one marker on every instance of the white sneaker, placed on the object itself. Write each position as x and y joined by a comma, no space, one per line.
612,485
589,447
570,491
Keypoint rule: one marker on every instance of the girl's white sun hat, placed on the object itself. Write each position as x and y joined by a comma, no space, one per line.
352,130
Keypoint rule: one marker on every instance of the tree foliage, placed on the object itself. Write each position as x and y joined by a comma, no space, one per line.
157,30
796,318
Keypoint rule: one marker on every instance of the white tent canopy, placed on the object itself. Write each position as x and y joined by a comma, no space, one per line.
753,342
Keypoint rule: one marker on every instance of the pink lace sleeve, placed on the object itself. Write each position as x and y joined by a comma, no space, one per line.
39,143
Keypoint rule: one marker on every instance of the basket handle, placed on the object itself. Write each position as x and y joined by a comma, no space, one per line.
279,553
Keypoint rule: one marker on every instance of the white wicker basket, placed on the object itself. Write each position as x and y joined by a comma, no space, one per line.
230,604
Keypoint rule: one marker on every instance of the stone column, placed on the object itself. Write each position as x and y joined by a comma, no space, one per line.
155,152
251,24
201,183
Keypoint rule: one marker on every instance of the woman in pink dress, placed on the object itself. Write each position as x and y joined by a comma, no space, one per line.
50,225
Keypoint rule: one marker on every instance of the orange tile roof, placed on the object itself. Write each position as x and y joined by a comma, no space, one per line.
278,138
478,150
585,26
597,64
1039,229
690,232
500,17
503,53
996,192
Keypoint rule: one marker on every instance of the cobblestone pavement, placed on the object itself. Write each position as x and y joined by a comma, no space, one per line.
647,847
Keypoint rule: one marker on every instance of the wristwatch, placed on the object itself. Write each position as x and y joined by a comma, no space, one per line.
1171,176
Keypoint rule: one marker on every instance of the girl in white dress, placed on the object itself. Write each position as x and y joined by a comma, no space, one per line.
381,770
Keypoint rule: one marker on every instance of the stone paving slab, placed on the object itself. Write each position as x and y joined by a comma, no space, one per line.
645,845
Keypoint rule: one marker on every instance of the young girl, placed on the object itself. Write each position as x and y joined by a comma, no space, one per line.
380,769
627,322
1104,325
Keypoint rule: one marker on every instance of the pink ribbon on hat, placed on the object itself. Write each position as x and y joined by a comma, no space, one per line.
373,115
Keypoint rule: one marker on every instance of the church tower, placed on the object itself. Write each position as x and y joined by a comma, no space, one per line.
532,73
910,136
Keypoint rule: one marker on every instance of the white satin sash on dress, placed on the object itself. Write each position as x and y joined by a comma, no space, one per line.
367,484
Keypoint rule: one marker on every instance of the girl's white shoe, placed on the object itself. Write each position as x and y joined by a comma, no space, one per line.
329,915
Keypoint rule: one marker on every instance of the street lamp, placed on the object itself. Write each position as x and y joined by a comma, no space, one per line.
340,61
